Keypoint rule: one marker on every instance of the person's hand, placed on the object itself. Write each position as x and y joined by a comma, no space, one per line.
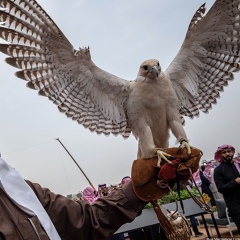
237,180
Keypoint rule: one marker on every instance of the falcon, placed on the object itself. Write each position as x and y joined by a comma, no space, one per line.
150,106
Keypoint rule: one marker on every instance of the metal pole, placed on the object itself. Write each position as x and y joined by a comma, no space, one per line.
77,164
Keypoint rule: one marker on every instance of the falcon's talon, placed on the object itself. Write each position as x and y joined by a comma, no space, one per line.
159,162
162,155
185,144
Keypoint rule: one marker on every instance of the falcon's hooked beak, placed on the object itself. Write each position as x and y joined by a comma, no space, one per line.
155,70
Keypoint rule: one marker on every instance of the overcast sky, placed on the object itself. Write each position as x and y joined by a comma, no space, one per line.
121,35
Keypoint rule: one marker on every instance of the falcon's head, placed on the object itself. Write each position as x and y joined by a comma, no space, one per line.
150,69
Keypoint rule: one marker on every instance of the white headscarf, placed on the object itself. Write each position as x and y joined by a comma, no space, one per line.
23,196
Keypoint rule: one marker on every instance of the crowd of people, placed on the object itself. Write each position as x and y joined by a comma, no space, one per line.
204,178
222,183
98,214
91,195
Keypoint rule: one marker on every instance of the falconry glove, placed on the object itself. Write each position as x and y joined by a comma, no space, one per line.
147,177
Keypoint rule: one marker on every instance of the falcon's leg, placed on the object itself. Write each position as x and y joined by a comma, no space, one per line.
139,153
185,144
177,128
146,142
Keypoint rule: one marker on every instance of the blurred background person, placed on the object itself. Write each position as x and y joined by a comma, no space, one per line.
205,185
89,194
125,180
102,190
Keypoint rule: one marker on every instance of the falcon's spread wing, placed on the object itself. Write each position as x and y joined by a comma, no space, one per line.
94,98
208,57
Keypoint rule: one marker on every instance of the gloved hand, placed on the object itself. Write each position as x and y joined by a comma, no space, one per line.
145,172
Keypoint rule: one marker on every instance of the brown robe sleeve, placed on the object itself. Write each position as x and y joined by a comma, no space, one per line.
79,220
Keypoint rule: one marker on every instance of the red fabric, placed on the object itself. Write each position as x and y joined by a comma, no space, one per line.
168,171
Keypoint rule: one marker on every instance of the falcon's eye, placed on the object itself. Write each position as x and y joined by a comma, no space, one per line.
158,64
145,67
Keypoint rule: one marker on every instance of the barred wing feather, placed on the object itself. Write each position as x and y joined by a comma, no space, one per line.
208,58
85,93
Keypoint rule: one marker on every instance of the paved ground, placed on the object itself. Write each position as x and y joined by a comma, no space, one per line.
225,234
